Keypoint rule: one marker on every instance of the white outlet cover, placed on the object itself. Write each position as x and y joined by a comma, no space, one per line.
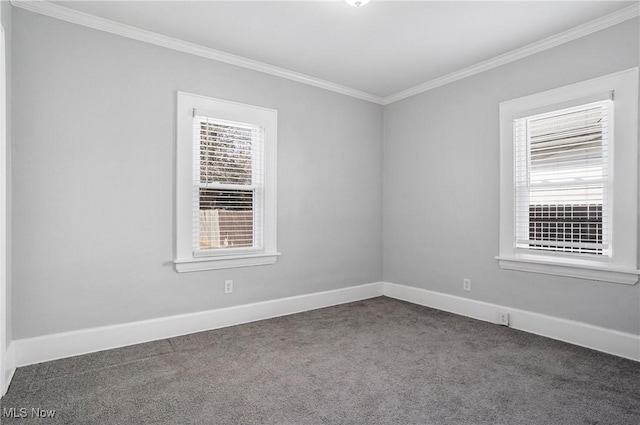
466,284
228,286
502,318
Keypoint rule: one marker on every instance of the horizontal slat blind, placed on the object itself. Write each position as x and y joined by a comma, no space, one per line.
228,184
562,180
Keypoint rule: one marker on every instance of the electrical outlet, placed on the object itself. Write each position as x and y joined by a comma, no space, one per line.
466,284
503,318
228,286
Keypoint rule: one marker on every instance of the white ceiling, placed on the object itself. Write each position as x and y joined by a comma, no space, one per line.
382,48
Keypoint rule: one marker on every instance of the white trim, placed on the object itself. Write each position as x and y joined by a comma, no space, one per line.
610,341
65,14
51,347
587,271
67,344
223,262
10,367
583,30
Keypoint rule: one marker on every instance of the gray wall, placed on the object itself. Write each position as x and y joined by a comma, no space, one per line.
93,175
93,171
6,24
441,186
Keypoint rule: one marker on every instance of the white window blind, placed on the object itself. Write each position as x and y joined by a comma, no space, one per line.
228,189
562,180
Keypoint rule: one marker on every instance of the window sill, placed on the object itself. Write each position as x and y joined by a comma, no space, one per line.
579,269
225,262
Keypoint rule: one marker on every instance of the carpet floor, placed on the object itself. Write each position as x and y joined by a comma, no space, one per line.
378,361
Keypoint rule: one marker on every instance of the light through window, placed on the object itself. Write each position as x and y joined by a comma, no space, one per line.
562,180
228,184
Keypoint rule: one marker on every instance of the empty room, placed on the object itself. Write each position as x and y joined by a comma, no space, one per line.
319,212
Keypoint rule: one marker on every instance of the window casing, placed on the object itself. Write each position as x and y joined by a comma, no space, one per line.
225,190
569,180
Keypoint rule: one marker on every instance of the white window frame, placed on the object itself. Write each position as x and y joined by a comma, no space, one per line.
622,265
186,258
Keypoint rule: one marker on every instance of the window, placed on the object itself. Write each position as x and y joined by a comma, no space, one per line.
569,188
225,191
562,183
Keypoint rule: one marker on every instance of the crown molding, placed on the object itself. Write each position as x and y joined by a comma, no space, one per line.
63,13
44,7
585,29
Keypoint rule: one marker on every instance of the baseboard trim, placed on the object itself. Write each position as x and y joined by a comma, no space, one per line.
23,352
10,367
610,341
56,346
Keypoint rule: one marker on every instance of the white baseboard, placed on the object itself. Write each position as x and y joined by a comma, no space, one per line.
56,346
610,341
10,367
28,351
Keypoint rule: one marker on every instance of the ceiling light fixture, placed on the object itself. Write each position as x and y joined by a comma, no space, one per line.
357,3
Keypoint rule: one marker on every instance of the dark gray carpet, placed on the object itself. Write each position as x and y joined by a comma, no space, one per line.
378,361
